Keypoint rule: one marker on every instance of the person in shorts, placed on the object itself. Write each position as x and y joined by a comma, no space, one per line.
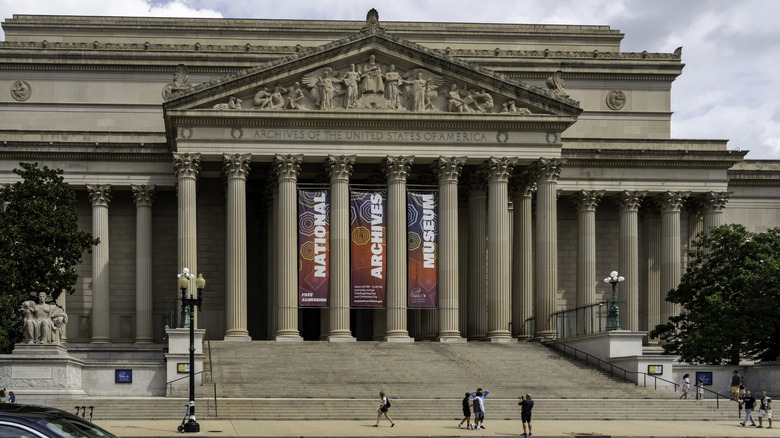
479,408
526,404
686,386
466,412
766,410
736,381
384,406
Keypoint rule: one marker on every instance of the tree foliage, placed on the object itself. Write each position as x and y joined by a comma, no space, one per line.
40,243
730,296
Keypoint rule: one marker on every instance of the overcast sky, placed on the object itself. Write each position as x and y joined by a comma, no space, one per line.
729,89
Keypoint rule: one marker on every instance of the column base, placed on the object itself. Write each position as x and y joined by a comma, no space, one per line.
238,338
501,339
144,341
280,338
451,340
100,340
341,339
399,339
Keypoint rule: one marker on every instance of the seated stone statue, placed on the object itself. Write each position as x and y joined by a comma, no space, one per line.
43,323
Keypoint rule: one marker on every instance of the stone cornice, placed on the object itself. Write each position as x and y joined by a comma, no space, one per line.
651,158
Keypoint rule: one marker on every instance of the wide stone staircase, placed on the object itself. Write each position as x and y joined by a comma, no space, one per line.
426,380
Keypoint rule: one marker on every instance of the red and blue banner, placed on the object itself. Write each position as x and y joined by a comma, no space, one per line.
313,248
368,248
422,229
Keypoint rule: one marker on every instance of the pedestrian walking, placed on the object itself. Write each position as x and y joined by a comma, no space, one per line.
699,390
466,412
766,410
749,402
686,386
384,406
11,397
479,407
526,404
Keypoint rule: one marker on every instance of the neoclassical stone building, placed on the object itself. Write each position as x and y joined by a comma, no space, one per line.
242,149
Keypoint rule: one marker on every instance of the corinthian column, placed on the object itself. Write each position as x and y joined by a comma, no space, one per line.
671,266
477,255
236,168
586,202
144,197
100,196
340,169
522,259
715,203
547,171
629,202
187,168
448,170
499,276
653,244
287,169
397,170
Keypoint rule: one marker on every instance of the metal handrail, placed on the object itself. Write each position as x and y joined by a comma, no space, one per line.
555,343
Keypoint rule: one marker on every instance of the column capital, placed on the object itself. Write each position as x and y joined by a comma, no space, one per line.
716,201
522,184
339,167
548,169
499,168
99,194
673,201
236,165
143,195
448,169
628,200
397,168
475,182
186,165
587,200
287,167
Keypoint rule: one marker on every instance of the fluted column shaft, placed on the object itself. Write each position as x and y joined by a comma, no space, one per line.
397,170
100,196
448,170
340,169
187,168
499,276
236,168
653,243
671,268
477,276
143,196
629,202
546,281
586,203
522,259
287,169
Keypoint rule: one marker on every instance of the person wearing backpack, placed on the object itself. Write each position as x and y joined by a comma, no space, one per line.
384,406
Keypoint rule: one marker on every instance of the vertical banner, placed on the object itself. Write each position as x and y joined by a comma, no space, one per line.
368,248
422,230
313,248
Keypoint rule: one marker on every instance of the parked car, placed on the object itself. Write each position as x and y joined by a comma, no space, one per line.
31,421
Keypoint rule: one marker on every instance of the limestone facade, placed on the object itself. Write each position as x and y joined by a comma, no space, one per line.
549,147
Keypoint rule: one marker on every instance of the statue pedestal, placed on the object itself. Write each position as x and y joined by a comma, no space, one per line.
40,373
178,360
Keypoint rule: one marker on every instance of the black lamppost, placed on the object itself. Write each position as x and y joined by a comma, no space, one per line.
613,314
187,303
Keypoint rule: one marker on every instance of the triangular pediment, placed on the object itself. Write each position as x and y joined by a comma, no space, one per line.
371,71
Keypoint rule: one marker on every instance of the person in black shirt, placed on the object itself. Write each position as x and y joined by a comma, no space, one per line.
526,404
749,401
466,412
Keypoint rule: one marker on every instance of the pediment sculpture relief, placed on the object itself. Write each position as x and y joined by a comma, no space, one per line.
43,322
180,82
373,86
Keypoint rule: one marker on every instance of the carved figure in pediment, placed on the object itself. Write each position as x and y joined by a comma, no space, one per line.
511,107
324,87
371,78
422,89
295,97
351,81
393,83
482,101
276,99
233,103
180,82
262,99
556,84
455,103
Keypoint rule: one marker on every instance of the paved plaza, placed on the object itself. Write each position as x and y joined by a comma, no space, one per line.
542,428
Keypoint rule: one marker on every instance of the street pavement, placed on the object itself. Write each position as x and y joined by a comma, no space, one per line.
438,428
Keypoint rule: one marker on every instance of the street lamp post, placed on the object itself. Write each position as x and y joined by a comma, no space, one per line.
187,303
613,314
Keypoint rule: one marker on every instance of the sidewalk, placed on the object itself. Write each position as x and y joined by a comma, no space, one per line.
542,428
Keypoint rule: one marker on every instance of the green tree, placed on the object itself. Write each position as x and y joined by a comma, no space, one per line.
40,244
730,299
